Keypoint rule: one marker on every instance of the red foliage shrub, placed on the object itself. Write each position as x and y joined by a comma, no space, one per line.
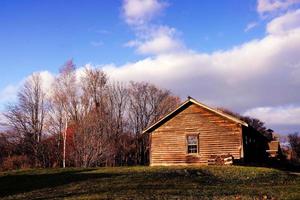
15,162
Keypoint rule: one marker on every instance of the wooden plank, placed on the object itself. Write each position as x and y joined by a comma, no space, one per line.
216,136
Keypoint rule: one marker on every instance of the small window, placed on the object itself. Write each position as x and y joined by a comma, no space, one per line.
192,144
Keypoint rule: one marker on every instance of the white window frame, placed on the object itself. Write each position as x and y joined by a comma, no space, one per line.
188,145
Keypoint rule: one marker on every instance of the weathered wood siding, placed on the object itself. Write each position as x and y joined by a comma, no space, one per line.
217,135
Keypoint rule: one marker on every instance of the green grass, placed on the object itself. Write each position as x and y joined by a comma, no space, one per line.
204,182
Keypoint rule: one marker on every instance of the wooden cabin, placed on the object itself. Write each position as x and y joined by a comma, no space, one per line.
194,133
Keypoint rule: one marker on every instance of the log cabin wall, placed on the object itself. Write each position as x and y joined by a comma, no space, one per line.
216,135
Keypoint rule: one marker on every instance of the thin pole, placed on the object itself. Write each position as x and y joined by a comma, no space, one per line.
64,143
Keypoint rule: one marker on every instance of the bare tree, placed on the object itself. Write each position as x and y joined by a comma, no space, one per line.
94,84
5,147
118,123
64,106
294,140
91,136
90,121
147,104
28,115
56,124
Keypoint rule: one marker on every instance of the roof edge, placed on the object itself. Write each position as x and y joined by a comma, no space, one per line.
190,99
235,119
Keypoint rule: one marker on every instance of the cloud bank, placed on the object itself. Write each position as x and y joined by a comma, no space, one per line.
262,74
260,78
277,115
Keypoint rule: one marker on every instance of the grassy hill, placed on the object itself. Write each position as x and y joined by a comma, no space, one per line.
150,183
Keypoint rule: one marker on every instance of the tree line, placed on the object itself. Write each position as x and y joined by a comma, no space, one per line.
89,121
82,122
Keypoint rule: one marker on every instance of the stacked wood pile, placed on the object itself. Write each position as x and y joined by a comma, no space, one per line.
220,160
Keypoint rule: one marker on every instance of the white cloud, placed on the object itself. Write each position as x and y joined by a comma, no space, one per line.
287,22
289,115
150,39
160,44
156,40
8,94
250,26
267,6
258,72
138,12
47,80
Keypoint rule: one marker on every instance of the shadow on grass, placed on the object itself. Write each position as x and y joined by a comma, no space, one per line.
116,182
21,183
110,182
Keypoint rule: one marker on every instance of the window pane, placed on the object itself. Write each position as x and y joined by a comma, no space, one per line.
192,144
192,140
192,149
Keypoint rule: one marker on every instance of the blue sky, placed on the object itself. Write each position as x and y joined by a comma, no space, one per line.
238,54
38,35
